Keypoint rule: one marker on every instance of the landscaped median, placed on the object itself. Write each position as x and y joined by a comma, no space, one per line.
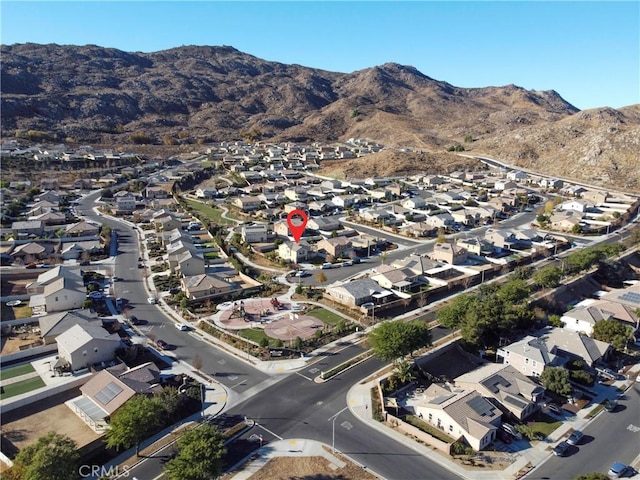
344,366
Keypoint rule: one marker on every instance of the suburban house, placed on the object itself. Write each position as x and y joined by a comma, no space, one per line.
323,224
203,286
166,223
125,202
336,246
397,279
440,220
246,203
52,275
27,228
295,252
32,252
475,246
552,347
358,292
110,389
84,345
254,233
449,253
190,263
458,413
55,324
505,387
61,294
565,220
583,317
418,264
81,229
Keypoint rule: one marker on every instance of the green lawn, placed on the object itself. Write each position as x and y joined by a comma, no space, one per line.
326,316
12,372
255,334
21,387
543,423
211,255
22,311
214,214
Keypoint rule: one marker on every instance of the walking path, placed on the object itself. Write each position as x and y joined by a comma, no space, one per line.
19,378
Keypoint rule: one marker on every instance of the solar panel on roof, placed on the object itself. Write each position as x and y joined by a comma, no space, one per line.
481,406
108,393
632,297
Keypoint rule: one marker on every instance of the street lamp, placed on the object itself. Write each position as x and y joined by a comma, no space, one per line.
333,429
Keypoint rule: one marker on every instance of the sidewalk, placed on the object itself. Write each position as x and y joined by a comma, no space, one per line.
359,399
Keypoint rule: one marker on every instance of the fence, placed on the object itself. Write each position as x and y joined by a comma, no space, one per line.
43,393
30,352
419,434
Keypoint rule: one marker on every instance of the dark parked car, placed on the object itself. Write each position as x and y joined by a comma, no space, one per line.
611,405
134,320
173,291
561,449
162,345
575,437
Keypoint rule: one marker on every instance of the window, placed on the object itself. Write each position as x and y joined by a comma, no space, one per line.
430,417
56,299
95,350
534,363
84,352
526,361
451,428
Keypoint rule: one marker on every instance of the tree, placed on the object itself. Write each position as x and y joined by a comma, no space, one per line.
393,340
51,457
555,320
321,277
200,455
134,422
548,277
514,291
404,372
556,379
452,315
613,332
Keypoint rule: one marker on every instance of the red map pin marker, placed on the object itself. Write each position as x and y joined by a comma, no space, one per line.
297,229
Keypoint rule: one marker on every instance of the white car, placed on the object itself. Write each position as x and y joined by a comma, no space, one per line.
182,327
151,301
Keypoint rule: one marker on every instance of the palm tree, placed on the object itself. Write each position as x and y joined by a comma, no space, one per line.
404,372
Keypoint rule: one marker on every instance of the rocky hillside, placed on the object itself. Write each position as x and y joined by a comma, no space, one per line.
91,94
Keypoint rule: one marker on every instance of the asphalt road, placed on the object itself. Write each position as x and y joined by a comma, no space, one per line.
297,407
610,437
235,374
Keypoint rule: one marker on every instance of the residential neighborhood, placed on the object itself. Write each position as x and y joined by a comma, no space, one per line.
96,272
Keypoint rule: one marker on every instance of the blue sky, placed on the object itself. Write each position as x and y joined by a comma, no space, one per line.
589,52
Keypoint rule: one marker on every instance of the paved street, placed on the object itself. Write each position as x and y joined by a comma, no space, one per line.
612,436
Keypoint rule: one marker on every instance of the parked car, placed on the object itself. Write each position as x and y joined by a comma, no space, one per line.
575,437
30,265
617,470
151,301
134,320
611,405
173,291
182,327
561,449
117,279
162,345
348,263
96,296
140,265
327,265
301,273
511,430
552,407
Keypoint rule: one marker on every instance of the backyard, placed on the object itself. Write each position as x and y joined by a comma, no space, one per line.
21,387
16,371
326,316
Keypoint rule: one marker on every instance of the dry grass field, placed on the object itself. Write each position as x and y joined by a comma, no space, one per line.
317,468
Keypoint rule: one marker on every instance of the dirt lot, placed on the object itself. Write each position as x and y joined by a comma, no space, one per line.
24,426
12,343
317,468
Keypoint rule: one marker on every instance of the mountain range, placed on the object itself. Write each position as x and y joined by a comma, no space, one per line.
92,94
